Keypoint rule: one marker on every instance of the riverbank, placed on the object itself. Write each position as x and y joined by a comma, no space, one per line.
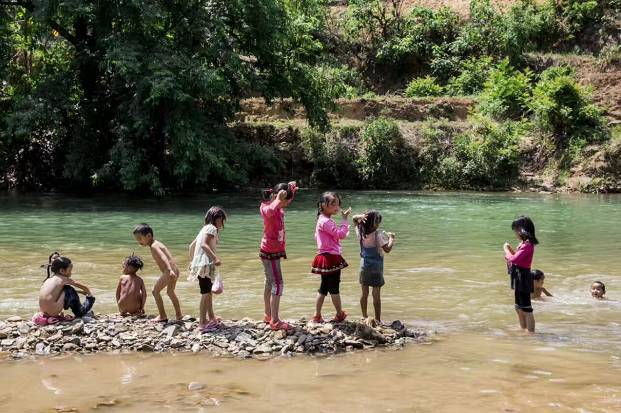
244,338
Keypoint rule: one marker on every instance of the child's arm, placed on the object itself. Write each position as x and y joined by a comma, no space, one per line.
162,262
357,219
337,231
143,290
391,242
546,292
118,290
209,247
83,288
191,249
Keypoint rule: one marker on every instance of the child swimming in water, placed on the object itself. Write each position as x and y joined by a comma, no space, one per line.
519,262
598,289
538,278
131,293
58,293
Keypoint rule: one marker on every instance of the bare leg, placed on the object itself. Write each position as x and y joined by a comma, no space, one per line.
203,310
319,304
521,318
530,322
267,295
170,290
275,305
377,304
363,300
336,300
157,288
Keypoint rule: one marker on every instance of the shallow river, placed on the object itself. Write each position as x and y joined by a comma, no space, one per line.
446,274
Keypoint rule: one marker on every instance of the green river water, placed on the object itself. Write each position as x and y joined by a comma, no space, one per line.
446,274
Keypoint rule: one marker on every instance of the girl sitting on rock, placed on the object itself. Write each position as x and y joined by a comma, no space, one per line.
58,293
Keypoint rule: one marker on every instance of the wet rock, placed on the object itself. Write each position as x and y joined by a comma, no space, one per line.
397,325
195,386
144,347
3,335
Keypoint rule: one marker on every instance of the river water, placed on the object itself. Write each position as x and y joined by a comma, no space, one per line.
445,274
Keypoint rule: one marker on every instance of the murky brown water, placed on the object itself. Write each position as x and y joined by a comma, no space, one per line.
446,273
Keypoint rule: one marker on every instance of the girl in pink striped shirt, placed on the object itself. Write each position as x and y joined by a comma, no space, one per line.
328,262
519,262
275,200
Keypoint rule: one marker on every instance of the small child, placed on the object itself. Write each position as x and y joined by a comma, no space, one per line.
58,293
519,263
538,289
328,262
272,249
204,263
598,289
131,293
373,244
170,272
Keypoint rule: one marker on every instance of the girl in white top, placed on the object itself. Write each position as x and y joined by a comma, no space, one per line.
204,263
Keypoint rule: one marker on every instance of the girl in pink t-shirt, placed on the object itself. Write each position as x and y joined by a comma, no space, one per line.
275,200
519,262
328,262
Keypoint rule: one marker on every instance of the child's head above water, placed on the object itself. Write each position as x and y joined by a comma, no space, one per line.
143,233
329,204
525,229
216,217
371,222
132,264
61,266
598,289
538,277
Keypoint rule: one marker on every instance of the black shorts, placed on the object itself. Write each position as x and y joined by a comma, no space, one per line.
330,284
522,301
205,284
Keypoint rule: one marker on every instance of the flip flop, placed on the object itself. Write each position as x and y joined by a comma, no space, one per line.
153,320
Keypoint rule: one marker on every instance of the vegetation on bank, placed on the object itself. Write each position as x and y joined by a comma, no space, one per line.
133,96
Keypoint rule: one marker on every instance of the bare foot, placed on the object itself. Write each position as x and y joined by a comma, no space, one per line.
159,319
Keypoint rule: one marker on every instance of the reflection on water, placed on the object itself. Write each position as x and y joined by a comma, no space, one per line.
446,272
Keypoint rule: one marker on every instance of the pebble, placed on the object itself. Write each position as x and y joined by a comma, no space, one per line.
243,339
195,386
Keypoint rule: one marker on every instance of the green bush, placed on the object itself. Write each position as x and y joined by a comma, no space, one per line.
471,78
424,86
506,92
610,56
564,108
384,160
333,156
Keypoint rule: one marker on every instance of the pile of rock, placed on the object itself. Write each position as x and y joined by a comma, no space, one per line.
238,338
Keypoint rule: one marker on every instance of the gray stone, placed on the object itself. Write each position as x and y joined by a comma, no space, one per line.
301,340
145,348
263,348
7,342
397,325
14,319
170,331
70,347
127,337
116,343
77,327
3,335
196,347
327,328
40,348
55,337
24,329
243,354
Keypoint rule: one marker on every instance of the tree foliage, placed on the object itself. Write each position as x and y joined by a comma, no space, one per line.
138,95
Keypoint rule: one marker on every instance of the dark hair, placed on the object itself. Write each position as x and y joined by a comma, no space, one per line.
525,229
214,213
602,284
538,275
134,261
60,263
49,262
267,193
143,229
324,199
372,220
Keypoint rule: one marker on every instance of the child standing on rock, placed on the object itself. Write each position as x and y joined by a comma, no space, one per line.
204,263
272,209
143,233
131,293
373,244
519,265
328,262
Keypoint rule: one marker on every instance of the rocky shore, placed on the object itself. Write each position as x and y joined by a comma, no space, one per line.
244,338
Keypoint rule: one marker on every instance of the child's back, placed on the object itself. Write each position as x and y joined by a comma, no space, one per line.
51,297
132,294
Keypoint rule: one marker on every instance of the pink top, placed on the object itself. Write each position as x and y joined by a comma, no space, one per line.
328,235
273,227
523,256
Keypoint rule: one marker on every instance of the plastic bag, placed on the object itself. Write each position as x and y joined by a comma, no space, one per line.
218,286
